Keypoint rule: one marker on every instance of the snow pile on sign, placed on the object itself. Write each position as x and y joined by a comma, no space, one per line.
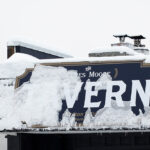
116,118
39,101
13,67
19,57
6,93
16,65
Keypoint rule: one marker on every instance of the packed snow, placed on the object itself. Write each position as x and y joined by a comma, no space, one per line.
121,49
11,68
19,57
38,102
40,98
96,59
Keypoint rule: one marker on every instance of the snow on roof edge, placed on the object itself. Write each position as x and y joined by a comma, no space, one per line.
120,49
38,48
97,59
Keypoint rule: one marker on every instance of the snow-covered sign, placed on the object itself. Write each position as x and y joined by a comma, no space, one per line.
91,94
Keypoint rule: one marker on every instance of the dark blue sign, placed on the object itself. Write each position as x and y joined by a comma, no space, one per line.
118,81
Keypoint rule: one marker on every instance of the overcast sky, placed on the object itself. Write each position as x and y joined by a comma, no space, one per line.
75,26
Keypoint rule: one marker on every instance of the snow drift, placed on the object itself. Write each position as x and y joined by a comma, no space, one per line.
39,101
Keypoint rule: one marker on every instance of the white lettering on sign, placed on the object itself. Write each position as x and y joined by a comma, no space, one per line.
89,93
137,88
82,75
90,90
97,74
117,95
93,74
70,99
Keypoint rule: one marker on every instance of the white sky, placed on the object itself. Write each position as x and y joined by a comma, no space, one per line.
75,26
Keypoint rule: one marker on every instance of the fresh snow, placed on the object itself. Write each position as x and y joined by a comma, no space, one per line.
40,101
16,65
19,57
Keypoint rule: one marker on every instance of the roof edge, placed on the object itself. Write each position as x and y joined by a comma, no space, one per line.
38,48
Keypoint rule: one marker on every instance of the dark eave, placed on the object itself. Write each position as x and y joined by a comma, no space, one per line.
119,36
137,37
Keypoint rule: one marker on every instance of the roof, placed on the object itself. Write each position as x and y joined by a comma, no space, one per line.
96,59
119,36
132,37
137,37
121,49
38,48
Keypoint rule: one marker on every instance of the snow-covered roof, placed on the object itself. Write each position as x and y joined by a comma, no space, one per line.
18,57
96,59
17,63
121,49
34,46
